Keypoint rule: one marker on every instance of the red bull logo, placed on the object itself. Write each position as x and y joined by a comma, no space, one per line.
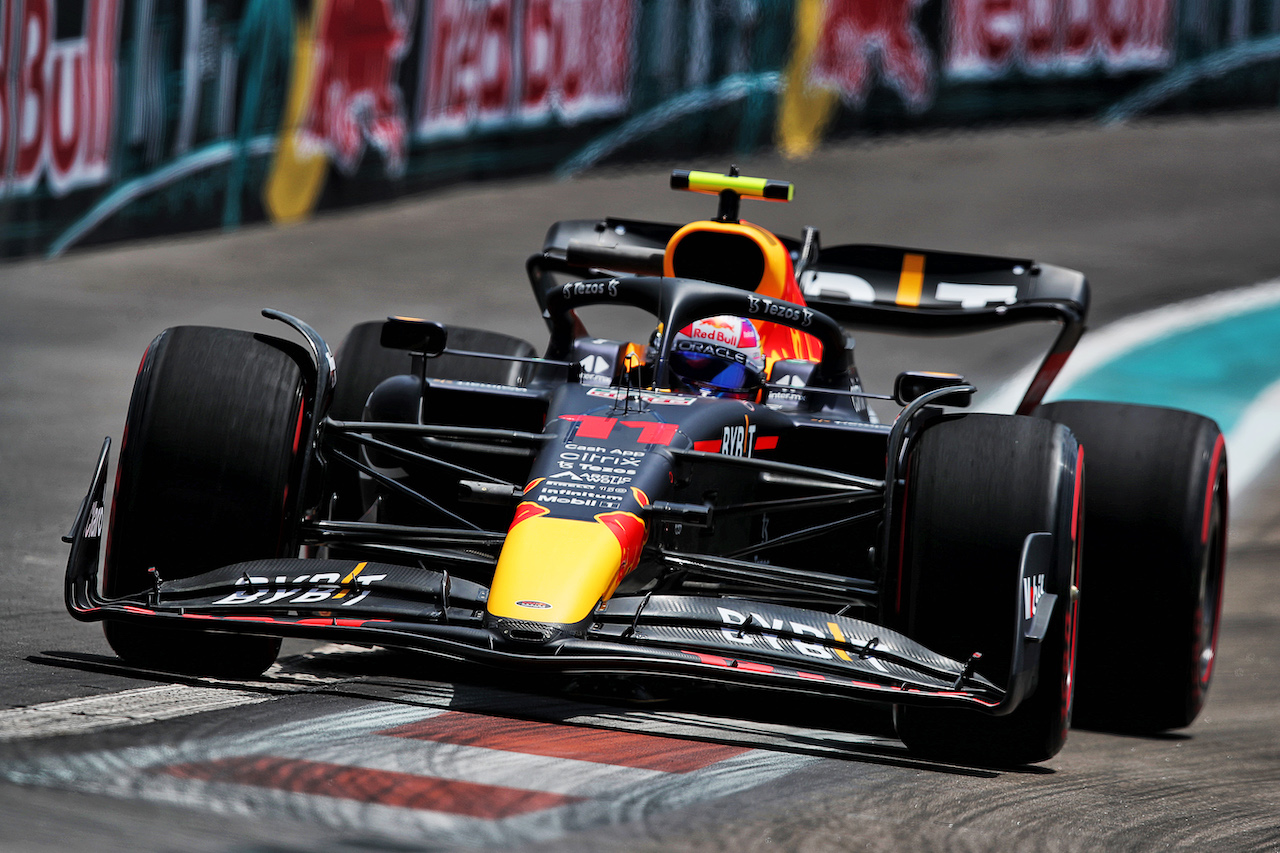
526,511
859,35
354,96
58,100
503,63
631,533
730,331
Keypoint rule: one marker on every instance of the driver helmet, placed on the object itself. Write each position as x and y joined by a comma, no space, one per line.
719,357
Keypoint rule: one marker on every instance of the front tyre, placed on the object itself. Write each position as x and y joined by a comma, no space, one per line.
209,465
977,486
1157,520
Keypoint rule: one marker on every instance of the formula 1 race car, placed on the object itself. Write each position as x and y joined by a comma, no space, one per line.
715,499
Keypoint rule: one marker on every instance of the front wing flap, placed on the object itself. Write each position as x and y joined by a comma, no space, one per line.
425,610
726,640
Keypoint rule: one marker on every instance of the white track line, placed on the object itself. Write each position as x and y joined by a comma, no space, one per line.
1255,441
115,710
161,702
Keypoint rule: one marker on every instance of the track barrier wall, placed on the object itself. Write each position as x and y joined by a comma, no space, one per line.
122,119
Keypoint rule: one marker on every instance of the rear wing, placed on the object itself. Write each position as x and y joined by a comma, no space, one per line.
882,288
911,290
631,246
892,289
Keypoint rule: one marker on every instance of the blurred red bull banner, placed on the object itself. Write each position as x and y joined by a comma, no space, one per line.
114,115
509,63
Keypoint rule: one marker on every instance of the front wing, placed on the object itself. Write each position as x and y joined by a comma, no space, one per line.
726,640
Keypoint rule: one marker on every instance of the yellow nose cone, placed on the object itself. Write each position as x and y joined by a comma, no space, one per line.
556,570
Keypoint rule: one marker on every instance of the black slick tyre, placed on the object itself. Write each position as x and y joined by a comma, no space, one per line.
209,465
977,486
494,371
364,364
1157,520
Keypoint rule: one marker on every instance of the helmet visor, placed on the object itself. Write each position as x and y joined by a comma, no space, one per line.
714,373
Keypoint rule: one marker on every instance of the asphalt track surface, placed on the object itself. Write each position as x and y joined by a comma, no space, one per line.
351,750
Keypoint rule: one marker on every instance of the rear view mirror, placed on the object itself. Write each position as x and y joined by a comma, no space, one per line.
911,384
418,336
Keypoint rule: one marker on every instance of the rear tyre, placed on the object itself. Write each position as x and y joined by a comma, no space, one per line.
1157,520
209,463
495,371
977,486
363,364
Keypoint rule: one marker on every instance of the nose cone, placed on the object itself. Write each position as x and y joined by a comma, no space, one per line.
555,570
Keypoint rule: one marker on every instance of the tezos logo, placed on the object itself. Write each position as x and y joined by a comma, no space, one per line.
769,308
590,288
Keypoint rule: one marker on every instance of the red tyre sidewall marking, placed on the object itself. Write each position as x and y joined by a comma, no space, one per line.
293,463
1073,604
1213,481
1200,681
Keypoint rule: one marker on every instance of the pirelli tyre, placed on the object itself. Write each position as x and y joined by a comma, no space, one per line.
976,487
210,461
1154,562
